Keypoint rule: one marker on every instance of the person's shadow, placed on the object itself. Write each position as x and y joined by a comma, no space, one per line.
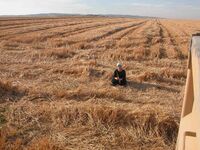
145,86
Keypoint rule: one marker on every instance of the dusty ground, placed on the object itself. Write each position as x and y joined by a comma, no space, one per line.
55,88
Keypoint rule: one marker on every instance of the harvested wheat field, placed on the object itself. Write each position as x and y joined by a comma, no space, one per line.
55,90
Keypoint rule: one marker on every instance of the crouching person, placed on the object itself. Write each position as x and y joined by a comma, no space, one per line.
119,76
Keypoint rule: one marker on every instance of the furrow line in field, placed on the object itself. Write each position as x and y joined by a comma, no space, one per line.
40,29
112,32
131,30
173,42
162,50
79,30
33,24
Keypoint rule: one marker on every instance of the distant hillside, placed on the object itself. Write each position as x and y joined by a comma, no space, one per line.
63,15
127,16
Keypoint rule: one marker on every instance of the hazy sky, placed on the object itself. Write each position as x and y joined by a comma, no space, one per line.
189,9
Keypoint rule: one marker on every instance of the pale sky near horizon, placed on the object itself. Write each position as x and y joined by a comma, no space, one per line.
184,9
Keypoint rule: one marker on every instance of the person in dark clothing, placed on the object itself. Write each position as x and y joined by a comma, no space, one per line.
119,76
